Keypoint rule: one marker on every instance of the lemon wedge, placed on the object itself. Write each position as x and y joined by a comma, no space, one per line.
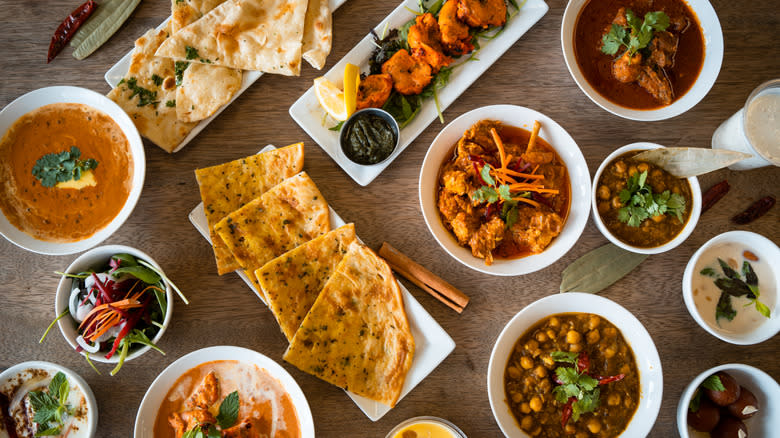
351,83
331,99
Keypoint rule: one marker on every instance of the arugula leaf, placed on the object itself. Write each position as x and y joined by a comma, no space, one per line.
55,168
713,383
228,410
125,259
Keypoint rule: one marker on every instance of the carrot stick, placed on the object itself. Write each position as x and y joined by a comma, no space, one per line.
527,201
522,175
500,146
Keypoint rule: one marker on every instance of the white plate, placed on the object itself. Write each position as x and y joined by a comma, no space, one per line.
306,111
147,412
119,70
432,343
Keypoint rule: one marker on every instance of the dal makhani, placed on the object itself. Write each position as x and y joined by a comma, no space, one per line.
65,172
504,192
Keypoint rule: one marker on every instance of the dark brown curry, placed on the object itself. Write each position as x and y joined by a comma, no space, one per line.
531,377
656,75
504,192
654,231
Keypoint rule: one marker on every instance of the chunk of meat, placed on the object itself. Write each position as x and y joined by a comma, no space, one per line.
663,47
197,418
482,13
374,90
455,35
410,76
178,425
456,181
424,39
535,228
480,134
246,429
464,226
627,68
206,394
451,204
620,18
657,84
678,23
487,238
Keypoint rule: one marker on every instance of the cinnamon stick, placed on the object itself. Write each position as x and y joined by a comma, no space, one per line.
423,278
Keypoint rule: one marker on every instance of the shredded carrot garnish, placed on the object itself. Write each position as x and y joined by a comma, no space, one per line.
527,201
534,134
522,175
500,146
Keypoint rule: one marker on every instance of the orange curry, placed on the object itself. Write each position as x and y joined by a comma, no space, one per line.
55,213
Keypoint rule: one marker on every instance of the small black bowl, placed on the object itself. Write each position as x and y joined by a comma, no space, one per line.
370,111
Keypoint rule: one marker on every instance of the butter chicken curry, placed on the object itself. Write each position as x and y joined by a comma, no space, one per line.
504,193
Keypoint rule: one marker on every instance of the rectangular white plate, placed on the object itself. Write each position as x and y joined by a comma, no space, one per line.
432,343
119,70
307,112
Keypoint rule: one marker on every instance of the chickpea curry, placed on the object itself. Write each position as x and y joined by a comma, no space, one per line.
572,375
640,203
504,192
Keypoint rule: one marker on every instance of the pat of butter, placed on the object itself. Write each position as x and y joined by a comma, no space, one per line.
87,180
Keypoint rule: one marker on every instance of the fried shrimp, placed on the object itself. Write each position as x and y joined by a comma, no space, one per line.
409,75
482,13
425,41
374,90
455,35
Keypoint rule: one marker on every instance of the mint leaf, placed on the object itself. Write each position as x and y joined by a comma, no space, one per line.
228,411
713,383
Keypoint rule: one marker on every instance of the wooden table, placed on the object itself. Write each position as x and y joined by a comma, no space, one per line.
223,311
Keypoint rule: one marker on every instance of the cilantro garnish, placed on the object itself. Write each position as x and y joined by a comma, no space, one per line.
732,285
50,406
145,97
575,386
171,103
637,35
157,79
492,193
640,203
191,52
55,168
179,67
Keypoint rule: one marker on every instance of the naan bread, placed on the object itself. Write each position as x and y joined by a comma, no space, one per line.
227,187
204,89
356,335
317,33
156,120
292,281
260,35
185,12
281,219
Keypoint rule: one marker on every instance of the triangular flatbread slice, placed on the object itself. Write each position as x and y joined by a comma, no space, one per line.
185,12
148,93
317,33
227,187
260,35
292,281
356,335
283,218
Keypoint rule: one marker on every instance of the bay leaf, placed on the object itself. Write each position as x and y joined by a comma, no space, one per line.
686,162
599,268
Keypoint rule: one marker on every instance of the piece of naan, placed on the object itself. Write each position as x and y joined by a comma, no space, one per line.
185,12
148,93
281,219
317,33
262,35
356,335
225,188
292,281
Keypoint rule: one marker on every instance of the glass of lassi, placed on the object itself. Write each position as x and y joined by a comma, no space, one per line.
754,129
426,427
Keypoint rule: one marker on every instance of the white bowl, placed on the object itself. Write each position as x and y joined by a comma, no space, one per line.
563,144
147,412
451,428
647,360
765,249
65,94
95,258
713,58
765,423
11,374
693,219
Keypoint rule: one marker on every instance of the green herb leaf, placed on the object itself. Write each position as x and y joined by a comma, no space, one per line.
693,406
637,35
511,214
55,168
724,308
640,203
485,194
179,67
485,174
170,103
157,79
762,308
145,97
337,127
727,270
503,191
613,40
50,406
750,275
140,272
564,356
709,272
734,287
191,52
125,259
713,383
228,410
589,402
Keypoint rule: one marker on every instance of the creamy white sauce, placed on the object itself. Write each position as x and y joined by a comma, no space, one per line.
706,294
762,125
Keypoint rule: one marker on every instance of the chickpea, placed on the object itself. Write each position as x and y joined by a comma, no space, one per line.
540,371
603,207
581,435
554,322
536,431
545,386
594,426
536,353
656,174
525,408
593,336
573,337
613,399
548,362
536,404
659,218
676,189
603,192
610,332
616,203
627,402
531,345
593,321
550,334
658,186
620,185
526,362
642,167
610,352
514,372
570,429
623,349
620,167
625,369
527,422
541,337
632,170
529,381
517,397
575,348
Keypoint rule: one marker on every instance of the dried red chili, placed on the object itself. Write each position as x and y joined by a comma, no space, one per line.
755,211
68,28
567,411
714,194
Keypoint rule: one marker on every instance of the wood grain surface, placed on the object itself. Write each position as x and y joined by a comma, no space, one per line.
223,311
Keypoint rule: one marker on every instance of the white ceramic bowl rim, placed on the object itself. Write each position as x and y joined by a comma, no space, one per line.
67,94
765,249
713,58
89,396
684,233
645,353
96,257
568,151
147,411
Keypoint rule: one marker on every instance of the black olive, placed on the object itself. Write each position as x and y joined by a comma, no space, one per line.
729,427
746,405
706,418
727,396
